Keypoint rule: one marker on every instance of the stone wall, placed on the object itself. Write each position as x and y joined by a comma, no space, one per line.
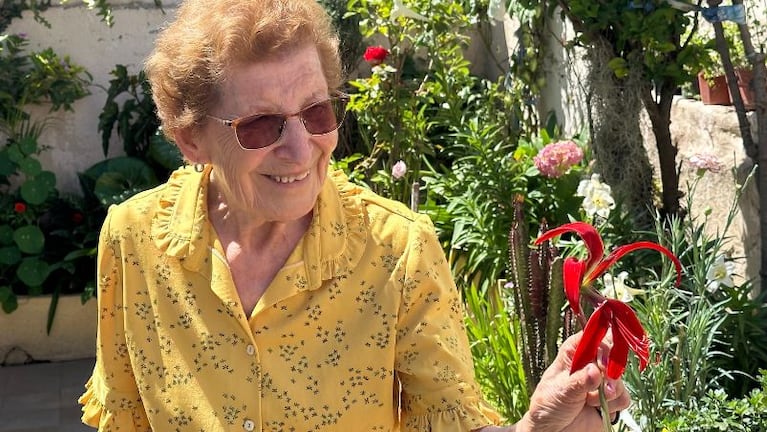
714,129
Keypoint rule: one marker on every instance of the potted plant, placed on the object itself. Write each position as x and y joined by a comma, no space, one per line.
46,239
712,81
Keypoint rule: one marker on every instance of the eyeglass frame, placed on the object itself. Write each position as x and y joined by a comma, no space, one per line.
233,123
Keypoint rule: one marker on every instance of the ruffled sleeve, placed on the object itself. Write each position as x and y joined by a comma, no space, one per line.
111,401
433,359
110,411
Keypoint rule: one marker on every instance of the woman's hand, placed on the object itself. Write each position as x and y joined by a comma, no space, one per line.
564,402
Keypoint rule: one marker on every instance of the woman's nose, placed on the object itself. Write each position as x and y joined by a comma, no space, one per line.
295,142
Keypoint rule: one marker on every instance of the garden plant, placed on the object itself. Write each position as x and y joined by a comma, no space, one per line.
493,173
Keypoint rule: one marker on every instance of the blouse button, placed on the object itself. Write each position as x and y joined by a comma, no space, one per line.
249,425
250,349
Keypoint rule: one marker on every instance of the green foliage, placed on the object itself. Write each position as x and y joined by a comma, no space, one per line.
36,77
46,241
712,64
650,35
691,327
150,157
498,363
472,202
717,412
415,104
351,43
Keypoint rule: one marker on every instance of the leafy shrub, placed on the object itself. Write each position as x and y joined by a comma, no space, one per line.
716,412
700,335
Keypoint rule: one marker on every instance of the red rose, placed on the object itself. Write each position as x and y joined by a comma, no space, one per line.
375,55
19,207
77,217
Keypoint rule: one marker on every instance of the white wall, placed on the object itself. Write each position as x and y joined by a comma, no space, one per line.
73,137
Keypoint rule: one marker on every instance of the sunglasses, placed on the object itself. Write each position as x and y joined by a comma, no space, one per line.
262,130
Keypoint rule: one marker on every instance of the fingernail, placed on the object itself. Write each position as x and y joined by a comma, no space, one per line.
610,387
604,359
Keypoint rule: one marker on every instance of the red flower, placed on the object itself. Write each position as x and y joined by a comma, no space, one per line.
581,273
19,207
578,275
77,217
627,334
375,55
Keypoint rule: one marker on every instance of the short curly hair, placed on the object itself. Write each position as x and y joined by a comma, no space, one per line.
192,54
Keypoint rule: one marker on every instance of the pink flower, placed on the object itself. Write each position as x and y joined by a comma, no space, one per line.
398,170
556,158
705,162
375,55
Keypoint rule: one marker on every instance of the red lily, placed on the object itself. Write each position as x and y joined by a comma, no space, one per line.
581,273
609,314
627,334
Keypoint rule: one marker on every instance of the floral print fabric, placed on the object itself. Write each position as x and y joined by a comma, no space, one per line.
360,330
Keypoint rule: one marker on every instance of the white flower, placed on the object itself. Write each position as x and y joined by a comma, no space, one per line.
616,287
400,10
398,170
720,273
597,197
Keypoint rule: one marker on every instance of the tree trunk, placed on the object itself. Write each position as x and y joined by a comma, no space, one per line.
659,112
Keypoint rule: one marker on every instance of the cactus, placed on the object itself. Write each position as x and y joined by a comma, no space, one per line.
538,296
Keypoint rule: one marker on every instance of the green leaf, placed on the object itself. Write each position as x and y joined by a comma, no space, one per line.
10,303
122,178
37,190
5,293
9,255
164,152
29,239
7,166
32,271
30,166
14,154
6,234
28,145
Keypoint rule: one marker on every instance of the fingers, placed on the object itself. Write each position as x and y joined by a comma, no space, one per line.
617,396
582,382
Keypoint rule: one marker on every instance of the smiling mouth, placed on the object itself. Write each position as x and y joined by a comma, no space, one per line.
289,179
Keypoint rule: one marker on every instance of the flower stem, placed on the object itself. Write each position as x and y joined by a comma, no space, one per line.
606,426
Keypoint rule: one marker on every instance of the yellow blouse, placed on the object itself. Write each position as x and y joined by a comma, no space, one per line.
361,330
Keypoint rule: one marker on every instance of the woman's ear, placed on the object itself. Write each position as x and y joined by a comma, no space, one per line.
187,143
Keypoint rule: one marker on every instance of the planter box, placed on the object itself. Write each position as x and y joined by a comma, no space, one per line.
715,93
23,337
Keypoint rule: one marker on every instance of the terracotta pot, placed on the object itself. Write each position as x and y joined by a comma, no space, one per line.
716,93
746,88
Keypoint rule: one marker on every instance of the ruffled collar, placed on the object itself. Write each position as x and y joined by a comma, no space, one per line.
331,247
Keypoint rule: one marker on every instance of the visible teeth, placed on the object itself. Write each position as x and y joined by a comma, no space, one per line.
281,179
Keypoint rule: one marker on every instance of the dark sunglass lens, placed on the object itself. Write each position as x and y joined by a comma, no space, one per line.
319,118
322,117
259,131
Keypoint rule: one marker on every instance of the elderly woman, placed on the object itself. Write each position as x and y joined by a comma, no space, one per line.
255,290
